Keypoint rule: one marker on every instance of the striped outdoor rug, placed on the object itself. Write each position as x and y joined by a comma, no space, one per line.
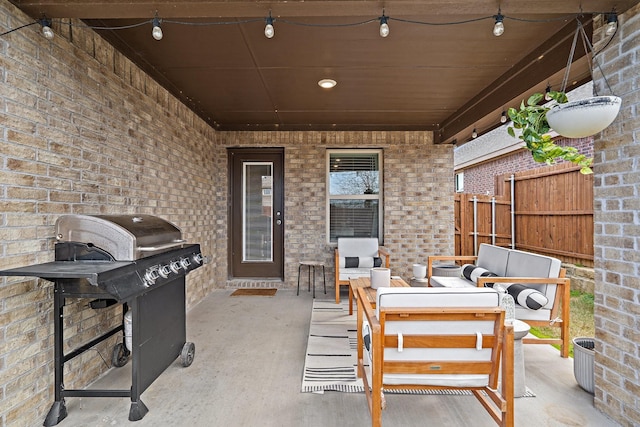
331,357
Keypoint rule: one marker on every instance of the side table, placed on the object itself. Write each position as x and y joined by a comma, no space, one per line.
520,330
312,265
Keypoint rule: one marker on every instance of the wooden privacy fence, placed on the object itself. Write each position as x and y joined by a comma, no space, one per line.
547,211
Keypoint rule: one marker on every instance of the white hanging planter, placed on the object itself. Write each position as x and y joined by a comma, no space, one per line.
579,119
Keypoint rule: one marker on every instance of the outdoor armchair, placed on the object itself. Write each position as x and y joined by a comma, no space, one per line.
436,338
355,257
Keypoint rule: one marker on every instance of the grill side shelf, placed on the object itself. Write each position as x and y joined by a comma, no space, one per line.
89,270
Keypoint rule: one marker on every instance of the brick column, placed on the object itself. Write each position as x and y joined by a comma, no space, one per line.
617,226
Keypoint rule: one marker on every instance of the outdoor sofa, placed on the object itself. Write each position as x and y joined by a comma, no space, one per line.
536,282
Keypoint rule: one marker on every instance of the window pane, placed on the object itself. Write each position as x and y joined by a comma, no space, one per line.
354,173
353,218
257,244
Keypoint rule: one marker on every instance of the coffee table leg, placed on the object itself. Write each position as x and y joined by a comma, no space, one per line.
350,300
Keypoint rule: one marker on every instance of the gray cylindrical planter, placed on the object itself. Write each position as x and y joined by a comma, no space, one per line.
445,270
583,355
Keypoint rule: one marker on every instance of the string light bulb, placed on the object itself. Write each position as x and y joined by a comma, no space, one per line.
503,117
547,93
46,29
269,31
157,31
612,23
384,26
498,28
474,134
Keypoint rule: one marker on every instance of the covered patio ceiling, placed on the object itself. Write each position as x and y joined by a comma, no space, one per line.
432,72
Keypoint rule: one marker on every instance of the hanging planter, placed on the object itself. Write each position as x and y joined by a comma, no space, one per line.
576,119
531,120
586,117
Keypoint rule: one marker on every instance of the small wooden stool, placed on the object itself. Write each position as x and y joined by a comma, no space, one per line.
312,265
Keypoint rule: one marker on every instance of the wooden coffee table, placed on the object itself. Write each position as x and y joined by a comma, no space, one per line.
364,282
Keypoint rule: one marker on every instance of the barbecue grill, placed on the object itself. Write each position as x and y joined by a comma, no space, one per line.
139,261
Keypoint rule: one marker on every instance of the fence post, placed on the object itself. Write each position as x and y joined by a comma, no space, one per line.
475,225
513,211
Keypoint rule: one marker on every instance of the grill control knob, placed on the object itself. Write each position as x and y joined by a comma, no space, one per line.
185,263
175,266
164,271
198,258
150,276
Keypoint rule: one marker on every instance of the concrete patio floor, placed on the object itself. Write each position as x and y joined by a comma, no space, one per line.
248,369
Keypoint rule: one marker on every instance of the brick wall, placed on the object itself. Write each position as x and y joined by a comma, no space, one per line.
480,178
617,234
418,201
82,130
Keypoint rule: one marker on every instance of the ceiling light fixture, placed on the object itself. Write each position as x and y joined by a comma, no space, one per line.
384,26
157,31
498,28
503,117
46,28
327,83
269,31
474,134
612,23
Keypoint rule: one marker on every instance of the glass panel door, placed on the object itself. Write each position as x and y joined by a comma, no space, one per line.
257,213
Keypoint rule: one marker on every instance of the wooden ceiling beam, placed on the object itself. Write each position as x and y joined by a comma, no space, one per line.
134,9
538,66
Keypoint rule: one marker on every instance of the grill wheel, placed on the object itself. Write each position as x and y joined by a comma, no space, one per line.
120,355
188,353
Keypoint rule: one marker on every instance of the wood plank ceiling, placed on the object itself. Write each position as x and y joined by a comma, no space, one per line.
442,77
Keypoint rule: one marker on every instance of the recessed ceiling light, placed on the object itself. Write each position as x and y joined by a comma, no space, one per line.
327,83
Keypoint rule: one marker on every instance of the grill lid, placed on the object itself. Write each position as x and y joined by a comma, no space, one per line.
125,237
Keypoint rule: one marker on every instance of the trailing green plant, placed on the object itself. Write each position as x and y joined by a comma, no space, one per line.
531,118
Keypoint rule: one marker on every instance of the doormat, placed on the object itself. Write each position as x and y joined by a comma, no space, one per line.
261,292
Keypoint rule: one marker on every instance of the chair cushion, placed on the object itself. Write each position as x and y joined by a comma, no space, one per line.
353,273
436,297
357,247
360,262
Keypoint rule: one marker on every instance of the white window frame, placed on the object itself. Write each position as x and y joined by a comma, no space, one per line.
379,197
459,182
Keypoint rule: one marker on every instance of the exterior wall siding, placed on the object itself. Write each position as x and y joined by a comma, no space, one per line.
83,130
617,227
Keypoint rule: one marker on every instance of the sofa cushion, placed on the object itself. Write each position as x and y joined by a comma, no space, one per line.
472,272
450,282
493,258
360,262
527,264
